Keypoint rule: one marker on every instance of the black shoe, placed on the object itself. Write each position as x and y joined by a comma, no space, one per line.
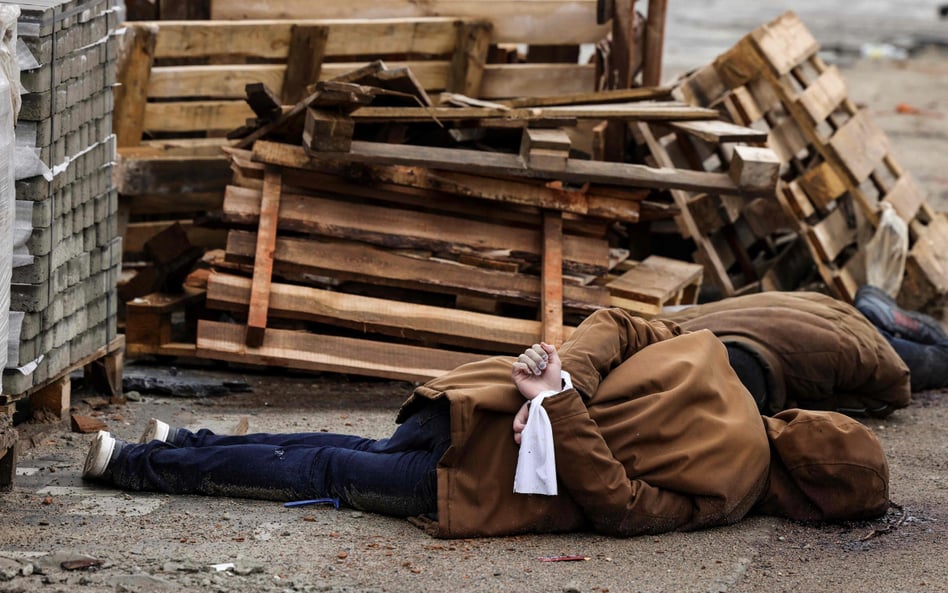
882,310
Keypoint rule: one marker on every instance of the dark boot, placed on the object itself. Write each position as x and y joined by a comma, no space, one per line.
927,363
884,313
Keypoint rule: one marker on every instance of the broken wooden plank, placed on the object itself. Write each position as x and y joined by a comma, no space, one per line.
469,58
139,172
755,167
133,69
327,131
638,111
653,283
590,200
271,38
304,60
470,161
384,267
396,228
377,315
718,131
263,259
327,353
551,302
546,149
593,97
552,22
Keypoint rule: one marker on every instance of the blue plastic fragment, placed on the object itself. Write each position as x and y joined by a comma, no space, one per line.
299,503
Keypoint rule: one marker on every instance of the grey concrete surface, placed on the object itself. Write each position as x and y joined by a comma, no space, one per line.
155,542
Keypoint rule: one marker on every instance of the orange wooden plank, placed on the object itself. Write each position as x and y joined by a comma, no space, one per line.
552,298
263,260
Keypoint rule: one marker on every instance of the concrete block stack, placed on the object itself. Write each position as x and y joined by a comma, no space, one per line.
67,253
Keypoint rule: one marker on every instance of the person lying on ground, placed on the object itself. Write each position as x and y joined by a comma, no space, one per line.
809,350
649,430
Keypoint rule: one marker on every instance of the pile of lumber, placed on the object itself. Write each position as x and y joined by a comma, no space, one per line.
836,166
182,82
66,266
484,228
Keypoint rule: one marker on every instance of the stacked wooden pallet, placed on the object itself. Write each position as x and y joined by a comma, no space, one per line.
182,82
404,260
183,85
745,243
63,303
836,165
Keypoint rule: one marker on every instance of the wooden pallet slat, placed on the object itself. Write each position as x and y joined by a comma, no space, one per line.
382,316
317,352
785,42
824,95
860,145
656,282
540,22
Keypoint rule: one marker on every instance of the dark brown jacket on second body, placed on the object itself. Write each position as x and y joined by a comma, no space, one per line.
820,353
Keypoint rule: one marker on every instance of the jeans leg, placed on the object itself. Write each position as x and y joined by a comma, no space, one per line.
206,438
927,363
395,476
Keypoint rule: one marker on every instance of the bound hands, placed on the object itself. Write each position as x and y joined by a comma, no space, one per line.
535,371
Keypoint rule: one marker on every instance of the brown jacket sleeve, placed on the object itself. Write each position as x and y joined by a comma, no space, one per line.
598,483
606,339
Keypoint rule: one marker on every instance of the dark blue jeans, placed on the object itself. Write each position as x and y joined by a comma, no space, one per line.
393,476
927,363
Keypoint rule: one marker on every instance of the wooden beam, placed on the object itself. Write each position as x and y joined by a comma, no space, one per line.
469,58
471,161
363,263
589,200
271,38
304,60
506,81
133,69
593,97
140,173
408,229
380,316
552,276
755,167
263,260
637,111
654,42
551,22
228,81
718,131
326,353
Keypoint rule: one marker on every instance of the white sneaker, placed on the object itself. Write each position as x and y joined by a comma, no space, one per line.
156,431
99,456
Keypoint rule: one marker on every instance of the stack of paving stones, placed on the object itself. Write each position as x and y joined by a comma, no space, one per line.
67,294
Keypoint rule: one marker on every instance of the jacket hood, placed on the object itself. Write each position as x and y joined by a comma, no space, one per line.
824,466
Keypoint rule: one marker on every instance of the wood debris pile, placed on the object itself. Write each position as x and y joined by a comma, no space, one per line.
370,223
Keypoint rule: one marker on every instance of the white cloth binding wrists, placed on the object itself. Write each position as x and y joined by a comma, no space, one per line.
536,463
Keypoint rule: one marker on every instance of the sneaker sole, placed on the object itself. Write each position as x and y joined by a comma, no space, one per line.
99,455
156,430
